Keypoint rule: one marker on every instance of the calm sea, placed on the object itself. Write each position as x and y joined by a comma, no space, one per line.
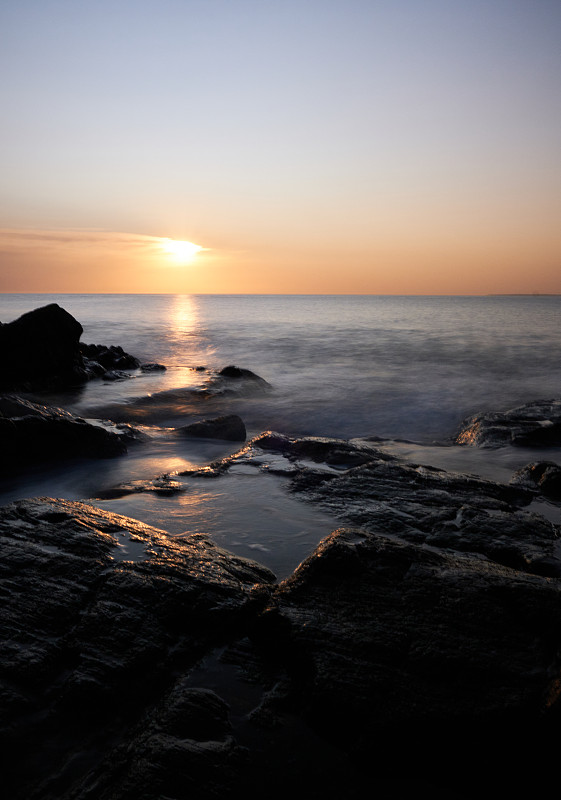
346,366
409,367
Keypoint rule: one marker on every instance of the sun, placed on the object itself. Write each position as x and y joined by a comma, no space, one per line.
180,251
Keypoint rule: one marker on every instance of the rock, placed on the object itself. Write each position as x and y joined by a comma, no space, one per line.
544,476
335,452
40,350
237,380
152,367
94,636
116,375
238,372
419,661
417,503
229,428
163,486
535,424
108,362
32,433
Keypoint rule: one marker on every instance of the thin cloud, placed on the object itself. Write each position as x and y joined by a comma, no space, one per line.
16,239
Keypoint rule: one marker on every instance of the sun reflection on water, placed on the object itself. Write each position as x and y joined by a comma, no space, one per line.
184,315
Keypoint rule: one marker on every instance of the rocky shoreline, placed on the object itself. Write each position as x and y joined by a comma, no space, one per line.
417,647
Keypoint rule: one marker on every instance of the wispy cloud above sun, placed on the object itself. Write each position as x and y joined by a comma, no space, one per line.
99,260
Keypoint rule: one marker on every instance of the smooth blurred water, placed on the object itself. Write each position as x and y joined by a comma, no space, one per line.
406,367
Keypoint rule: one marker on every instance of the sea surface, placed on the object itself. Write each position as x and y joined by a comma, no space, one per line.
405,369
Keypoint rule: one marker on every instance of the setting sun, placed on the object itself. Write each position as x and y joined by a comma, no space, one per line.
180,251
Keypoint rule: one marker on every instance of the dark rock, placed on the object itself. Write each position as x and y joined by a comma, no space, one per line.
93,643
116,375
40,351
535,424
108,362
544,476
151,367
335,452
31,433
229,428
238,372
164,486
419,661
415,502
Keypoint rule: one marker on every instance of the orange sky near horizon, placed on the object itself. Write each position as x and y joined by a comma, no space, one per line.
317,148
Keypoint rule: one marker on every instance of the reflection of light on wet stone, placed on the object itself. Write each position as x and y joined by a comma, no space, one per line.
130,550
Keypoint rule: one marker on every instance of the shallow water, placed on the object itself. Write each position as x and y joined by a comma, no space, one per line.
400,368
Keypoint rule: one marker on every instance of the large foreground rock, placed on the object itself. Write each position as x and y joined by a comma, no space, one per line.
139,665
94,646
535,424
390,645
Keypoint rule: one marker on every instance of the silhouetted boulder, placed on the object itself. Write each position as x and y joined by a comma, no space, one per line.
229,428
40,350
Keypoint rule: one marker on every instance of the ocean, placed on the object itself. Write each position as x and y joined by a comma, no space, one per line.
405,369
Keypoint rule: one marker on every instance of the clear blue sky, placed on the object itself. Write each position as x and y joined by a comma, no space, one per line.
388,147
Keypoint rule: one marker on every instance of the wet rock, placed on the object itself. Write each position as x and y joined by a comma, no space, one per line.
93,641
152,367
40,350
535,424
419,661
544,476
238,372
335,452
415,502
229,428
108,362
236,380
164,486
32,433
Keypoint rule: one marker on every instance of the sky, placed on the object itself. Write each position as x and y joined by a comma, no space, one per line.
310,146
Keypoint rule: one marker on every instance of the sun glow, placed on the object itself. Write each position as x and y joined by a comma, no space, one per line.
181,252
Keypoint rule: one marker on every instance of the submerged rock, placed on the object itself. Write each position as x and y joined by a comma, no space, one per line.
238,372
535,424
236,380
229,428
152,367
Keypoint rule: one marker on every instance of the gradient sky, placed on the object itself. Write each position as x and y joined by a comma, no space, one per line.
358,146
